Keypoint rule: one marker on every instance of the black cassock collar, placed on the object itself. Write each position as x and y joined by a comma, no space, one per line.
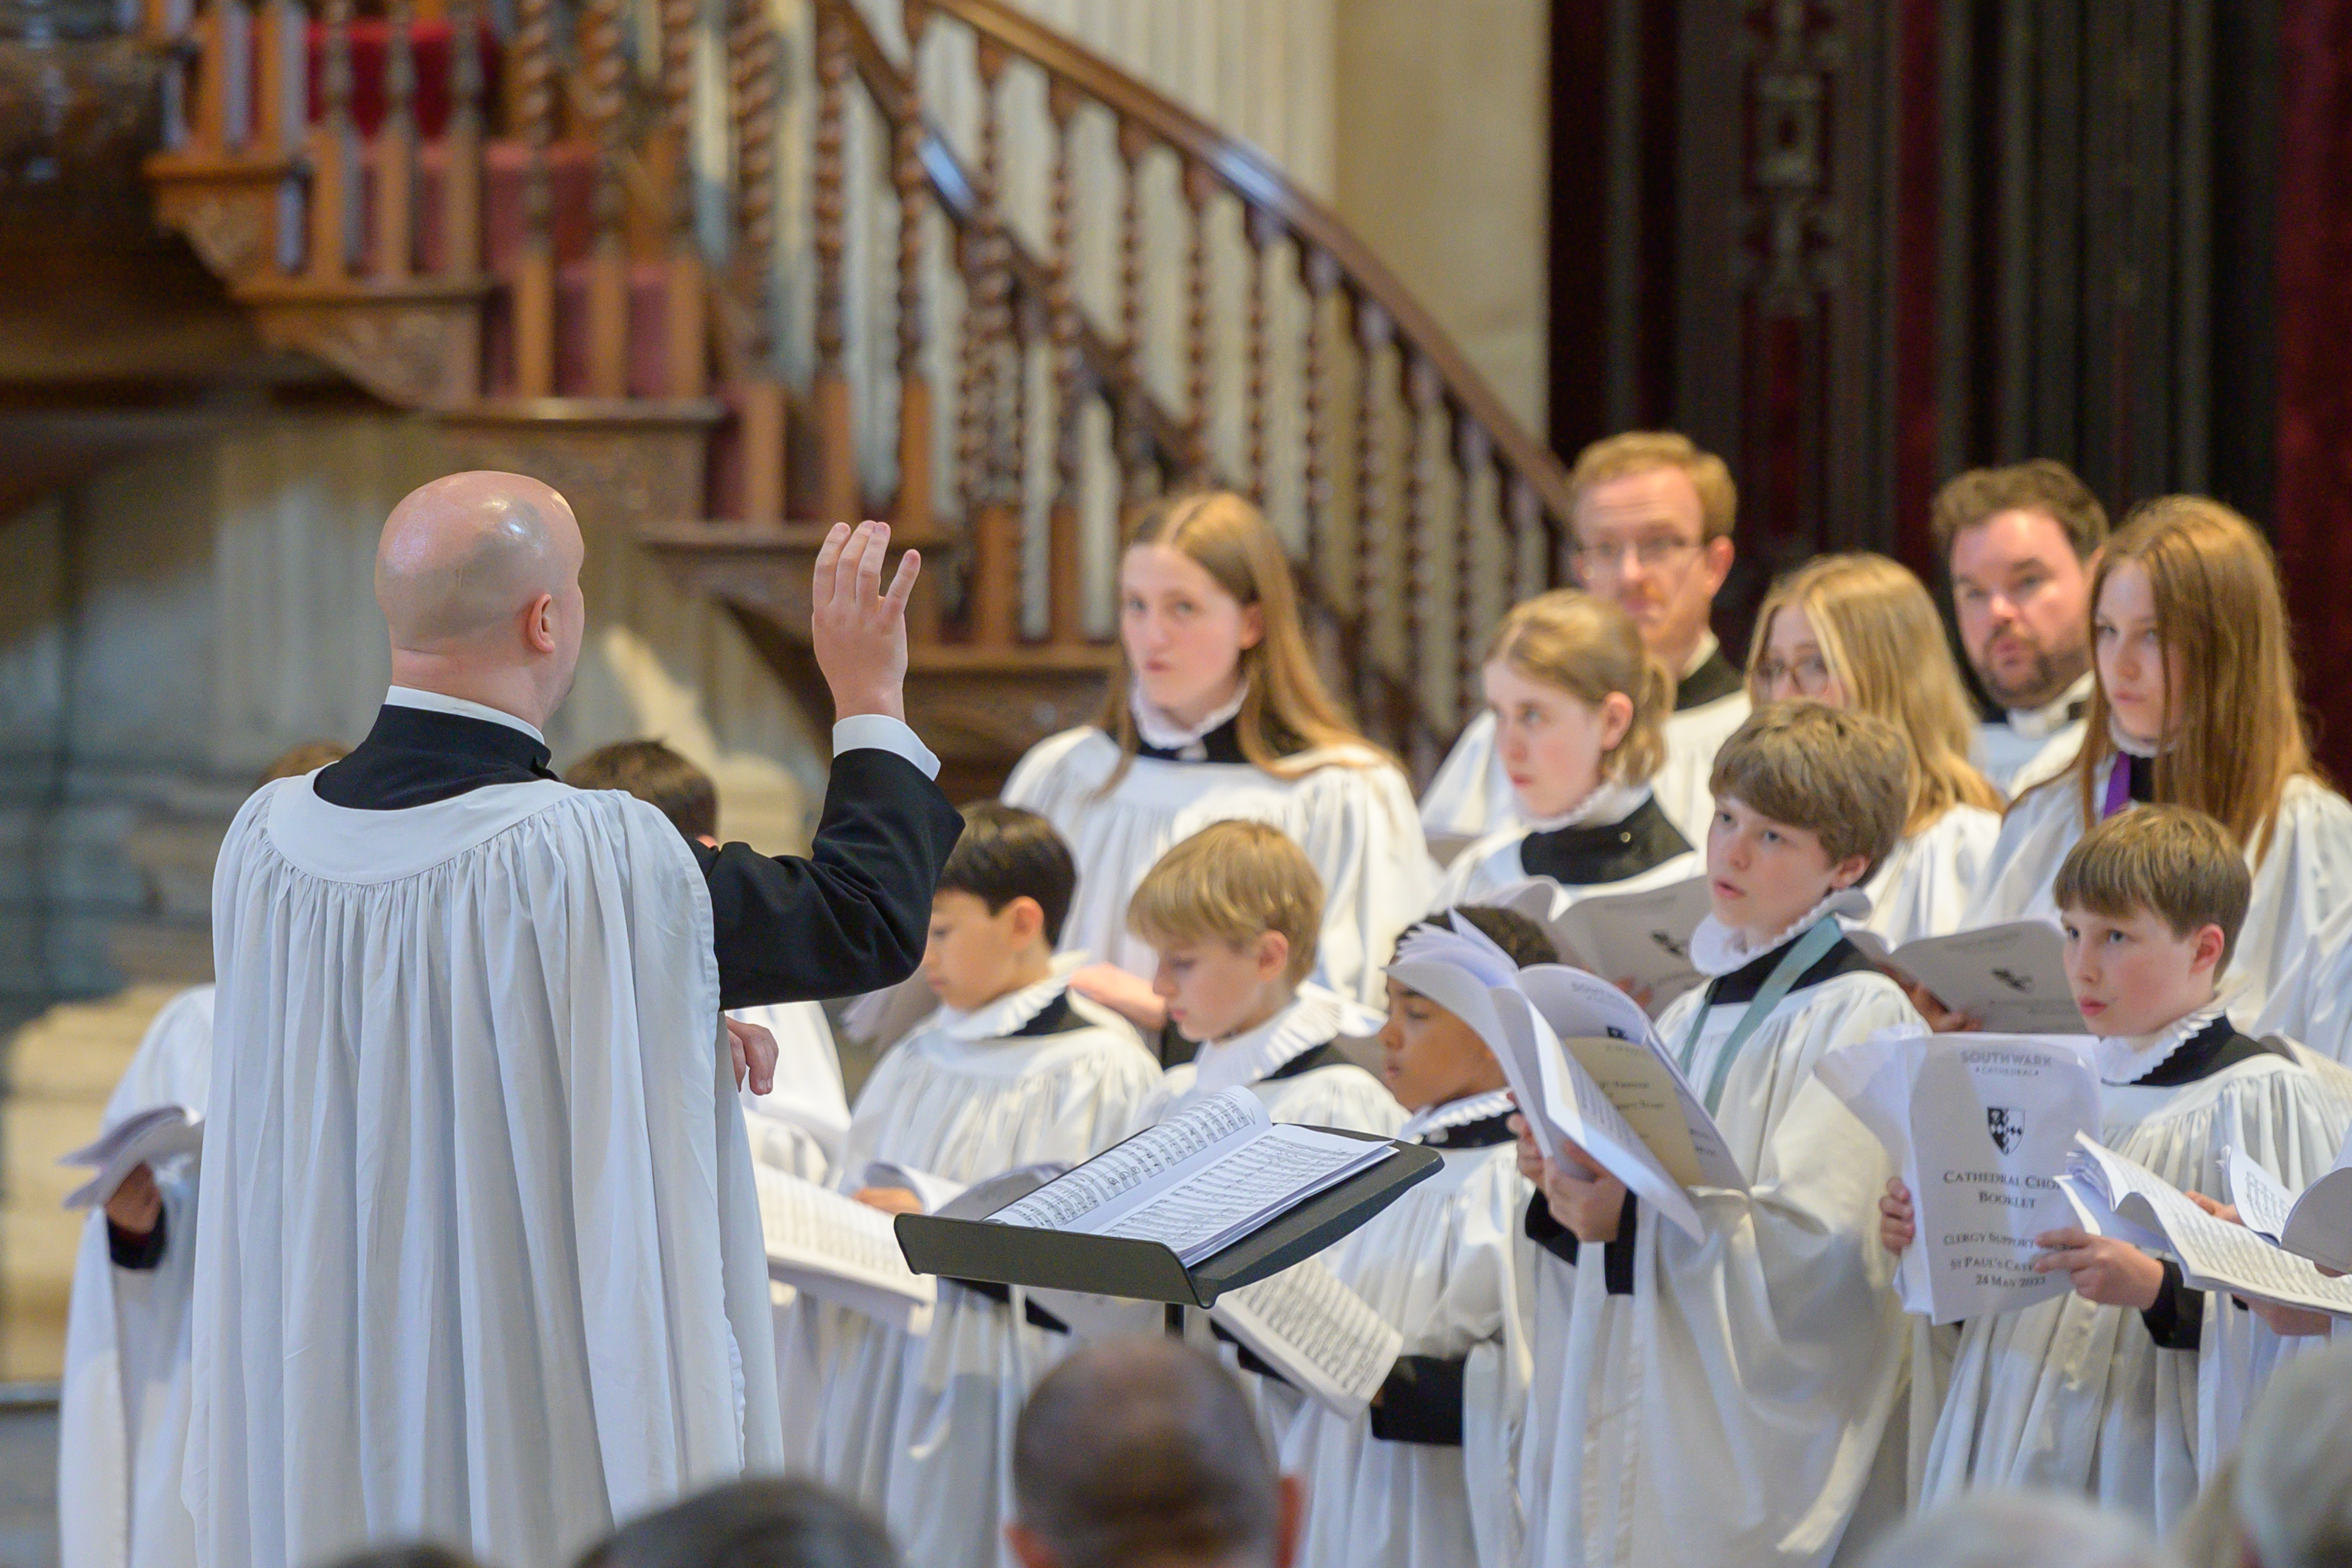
1712,681
1585,856
415,756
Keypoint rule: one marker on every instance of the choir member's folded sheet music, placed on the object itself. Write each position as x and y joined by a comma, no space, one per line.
2118,1196
2317,1224
1981,1126
1642,939
839,1250
2010,978
1323,1338
150,1138
1198,1181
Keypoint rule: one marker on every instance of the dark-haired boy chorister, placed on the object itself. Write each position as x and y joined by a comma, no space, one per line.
1013,1069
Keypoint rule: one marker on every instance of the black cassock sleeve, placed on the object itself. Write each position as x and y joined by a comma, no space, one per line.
1545,1230
1422,1402
854,916
137,1252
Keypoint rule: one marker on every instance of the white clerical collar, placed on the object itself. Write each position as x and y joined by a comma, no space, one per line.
1163,733
464,708
1717,949
2040,723
2127,1058
1316,1017
1707,645
1008,1013
2131,746
1609,802
1455,1113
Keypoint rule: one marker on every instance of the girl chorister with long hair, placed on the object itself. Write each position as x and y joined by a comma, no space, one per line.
1860,632
1216,713
2195,705
1578,705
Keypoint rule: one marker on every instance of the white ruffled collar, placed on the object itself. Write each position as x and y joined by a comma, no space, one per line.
1609,802
1455,1113
1717,949
1009,1012
2040,723
2127,1058
1163,734
1316,1017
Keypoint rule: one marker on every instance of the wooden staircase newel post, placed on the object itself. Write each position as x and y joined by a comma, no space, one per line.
1134,443
461,145
330,151
751,45
913,512
1423,391
1263,231
1473,453
396,149
684,320
838,497
1199,186
1321,275
608,259
1065,623
534,71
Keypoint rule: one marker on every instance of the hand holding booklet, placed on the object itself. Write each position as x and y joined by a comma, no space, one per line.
839,1250
1640,939
149,1138
1322,1337
1980,1126
2118,1196
2317,1224
1199,1181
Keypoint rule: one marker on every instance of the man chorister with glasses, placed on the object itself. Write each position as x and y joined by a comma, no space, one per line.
1652,529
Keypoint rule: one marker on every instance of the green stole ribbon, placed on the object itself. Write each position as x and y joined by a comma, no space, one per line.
1801,955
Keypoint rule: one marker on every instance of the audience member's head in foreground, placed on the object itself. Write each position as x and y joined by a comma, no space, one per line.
771,1522
2004,1530
2294,1466
419,1555
1142,1453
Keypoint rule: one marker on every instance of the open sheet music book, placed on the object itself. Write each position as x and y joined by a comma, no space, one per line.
1198,1181
2116,1197
149,1138
2317,1224
2010,978
1322,1337
1640,938
839,1250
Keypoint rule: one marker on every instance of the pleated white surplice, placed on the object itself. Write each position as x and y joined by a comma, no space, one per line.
920,1429
1926,886
122,1415
2305,879
1442,1266
1732,1408
480,1259
2079,1398
1353,814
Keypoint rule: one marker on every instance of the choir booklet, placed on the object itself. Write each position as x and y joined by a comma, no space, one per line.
1980,1127
2116,1197
2010,978
150,1138
1640,939
839,1250
1324,1338
1199,1181
2317,1226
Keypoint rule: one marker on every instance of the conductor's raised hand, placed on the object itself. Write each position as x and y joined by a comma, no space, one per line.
754,1050
859,631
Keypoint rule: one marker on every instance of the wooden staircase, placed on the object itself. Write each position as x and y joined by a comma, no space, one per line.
499,224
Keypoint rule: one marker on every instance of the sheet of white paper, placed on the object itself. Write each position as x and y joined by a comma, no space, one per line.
2011,977
839,1250
1308,1326
2214,1254
2316,1224
2092,1214
1576,1003
150,1138
1586,1117
2262,1199
1104,1188
1280,1168
1641,939
1515,1050
933,1191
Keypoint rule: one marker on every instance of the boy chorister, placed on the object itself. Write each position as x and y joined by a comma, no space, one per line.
2104,1391
1013,1069
1725,1399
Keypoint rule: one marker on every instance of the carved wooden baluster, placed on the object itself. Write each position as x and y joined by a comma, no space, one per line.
683,319
1262,230
1473,453
1526,522
1372,492
837,489
224,43
534,70
1199,186
1320,273
913,513
330,151
395,148
280,94
1134,438
1423,391
461,144
751,47
989,325
608,259
1065,612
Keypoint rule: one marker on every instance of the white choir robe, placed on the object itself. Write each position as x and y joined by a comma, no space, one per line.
122,1417
919,1429
1282,1061
798,1126
481,1257
2302,883
1442,1266
1352,814
2080,1398
1928,885
2027,746
1739,1407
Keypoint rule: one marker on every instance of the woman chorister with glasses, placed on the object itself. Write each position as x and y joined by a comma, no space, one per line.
1860,632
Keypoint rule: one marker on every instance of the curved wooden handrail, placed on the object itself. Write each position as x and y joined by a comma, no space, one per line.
1253,177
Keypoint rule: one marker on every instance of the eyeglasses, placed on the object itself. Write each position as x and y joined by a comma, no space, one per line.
1808,675
1652,554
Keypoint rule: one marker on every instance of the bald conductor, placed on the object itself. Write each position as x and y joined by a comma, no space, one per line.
488,1266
